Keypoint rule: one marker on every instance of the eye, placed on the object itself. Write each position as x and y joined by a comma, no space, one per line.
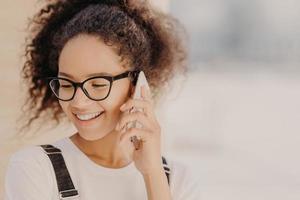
63,84
66,86
99,85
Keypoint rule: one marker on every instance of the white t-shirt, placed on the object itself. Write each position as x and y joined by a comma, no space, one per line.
30,176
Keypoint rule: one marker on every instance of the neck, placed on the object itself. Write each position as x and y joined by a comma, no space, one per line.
105,151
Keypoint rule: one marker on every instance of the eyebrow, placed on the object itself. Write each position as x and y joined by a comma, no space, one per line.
88,76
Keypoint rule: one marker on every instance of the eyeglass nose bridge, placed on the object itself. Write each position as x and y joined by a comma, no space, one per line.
80,85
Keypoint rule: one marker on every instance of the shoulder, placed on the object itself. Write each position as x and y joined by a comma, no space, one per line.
181,171
30,159
35,156
29,170
177,166
184,180
28,154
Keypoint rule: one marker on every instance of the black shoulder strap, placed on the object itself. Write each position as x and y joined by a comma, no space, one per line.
64,182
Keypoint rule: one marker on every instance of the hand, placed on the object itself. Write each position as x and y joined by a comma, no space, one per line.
147,158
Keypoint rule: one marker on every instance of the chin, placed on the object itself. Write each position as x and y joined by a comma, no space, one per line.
91,135
94,133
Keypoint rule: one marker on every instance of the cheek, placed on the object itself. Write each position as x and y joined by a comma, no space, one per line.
117,97
63,106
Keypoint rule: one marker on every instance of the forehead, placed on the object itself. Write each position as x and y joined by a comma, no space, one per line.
87,55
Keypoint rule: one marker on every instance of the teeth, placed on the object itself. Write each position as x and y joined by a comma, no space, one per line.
88,116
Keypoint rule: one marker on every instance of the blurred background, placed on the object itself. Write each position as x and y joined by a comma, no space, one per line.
235,120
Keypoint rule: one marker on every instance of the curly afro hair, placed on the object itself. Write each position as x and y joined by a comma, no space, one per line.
145,38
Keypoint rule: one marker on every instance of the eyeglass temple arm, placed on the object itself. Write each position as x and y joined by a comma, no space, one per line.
131,74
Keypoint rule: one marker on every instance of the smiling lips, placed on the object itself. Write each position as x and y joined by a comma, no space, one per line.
87,117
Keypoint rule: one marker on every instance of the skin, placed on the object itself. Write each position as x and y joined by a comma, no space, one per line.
106,141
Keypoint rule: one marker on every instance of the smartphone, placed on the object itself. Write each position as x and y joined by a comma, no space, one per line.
141,80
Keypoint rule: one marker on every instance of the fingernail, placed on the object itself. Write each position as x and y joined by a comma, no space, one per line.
123,106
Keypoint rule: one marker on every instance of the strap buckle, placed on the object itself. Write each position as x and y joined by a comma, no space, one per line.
65,194
167,169
48,149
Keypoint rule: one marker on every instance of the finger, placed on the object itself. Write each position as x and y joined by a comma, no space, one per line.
135,116
142,134
145,105
137,143
142,103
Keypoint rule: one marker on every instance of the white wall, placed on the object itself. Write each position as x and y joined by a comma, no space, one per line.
240,131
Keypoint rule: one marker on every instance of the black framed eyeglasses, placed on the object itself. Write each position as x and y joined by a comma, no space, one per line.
96,88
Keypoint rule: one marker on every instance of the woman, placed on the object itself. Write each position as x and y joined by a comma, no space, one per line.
82,62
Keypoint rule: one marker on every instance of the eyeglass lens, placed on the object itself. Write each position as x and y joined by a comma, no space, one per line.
96,88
